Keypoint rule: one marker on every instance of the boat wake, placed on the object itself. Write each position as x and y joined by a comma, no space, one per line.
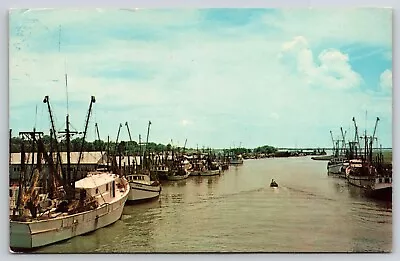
308,193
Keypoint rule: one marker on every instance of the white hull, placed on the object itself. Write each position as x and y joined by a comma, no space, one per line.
210,173
142,192
236,162
206,173
37,233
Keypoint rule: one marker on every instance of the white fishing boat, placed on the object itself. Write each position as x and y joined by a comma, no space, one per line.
101,196
142,188
236,160
210,172
337,166
381,188
360,173
375,184
178,175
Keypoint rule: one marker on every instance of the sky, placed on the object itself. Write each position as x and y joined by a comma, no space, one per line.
219,78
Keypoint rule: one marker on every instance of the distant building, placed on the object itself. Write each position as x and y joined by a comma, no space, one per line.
89,162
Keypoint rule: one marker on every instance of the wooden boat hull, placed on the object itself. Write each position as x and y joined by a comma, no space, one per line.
29,235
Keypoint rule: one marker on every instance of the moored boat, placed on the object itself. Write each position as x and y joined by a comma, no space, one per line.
381,188
236,160
100,199
178,175
142,188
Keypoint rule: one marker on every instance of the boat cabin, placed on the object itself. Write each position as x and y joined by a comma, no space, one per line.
98,185
138,178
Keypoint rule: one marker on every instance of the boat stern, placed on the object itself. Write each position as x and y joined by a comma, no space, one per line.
20,236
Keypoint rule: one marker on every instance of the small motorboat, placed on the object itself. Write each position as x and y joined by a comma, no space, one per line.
273,184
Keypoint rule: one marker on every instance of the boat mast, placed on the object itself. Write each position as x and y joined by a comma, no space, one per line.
147,142
129,132
334,145
116,142
92,100
140,152
356,138
130,144
68,140
372,139
98,137
47,101
343,140
116,149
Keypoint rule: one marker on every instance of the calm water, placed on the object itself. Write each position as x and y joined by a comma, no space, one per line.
239,212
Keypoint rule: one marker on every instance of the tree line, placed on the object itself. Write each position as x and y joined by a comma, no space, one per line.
131,147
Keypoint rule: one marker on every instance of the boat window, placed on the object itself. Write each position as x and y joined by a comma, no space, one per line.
97,190
107,187
387,180
380,180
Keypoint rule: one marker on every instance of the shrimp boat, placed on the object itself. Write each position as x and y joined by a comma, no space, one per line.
236,160
359,173
376,183
102,197
201,168
180,168
381,188
58,212
339,162
179,174
142,188
372,175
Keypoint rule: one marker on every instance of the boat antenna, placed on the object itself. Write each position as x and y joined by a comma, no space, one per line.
66,83
365,130
35,117
65,67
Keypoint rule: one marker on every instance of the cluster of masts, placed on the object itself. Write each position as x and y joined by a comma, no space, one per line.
355,148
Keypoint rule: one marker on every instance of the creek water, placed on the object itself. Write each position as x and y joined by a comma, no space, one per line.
239,212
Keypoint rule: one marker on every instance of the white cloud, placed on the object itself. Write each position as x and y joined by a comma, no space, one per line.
185,122
274,115
371,26
332,71
386,80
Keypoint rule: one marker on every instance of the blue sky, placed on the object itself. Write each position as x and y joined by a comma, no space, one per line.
218,77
